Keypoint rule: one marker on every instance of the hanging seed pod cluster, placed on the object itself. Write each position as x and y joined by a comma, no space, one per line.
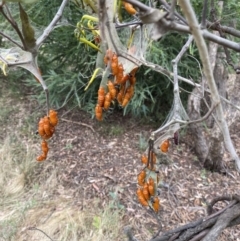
46,128
119,87
148,180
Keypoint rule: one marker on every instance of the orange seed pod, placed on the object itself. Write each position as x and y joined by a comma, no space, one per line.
121,94
98,112
164,146
141,198
156,204
120,74
44,147
107,101
124,79
129,8
151,186
144,159
53,117
114,64
41,131
141,177
101,96
126,99
145,192
41,158
112,90
46,126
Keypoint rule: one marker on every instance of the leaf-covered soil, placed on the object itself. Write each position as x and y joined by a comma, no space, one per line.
102,160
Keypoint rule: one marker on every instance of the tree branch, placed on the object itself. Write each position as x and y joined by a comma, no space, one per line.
50,27
14,25
189,13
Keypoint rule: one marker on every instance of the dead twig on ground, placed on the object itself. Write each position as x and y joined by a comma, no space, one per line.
78,123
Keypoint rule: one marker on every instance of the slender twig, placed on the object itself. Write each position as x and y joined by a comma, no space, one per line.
172,10
167,7
10,39
177,105
79,123
50,27
14,25
185,29
225,29
37,229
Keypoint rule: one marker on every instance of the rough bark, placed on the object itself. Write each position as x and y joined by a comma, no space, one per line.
208,140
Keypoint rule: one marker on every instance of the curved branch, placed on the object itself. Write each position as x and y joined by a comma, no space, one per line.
197,33
50,27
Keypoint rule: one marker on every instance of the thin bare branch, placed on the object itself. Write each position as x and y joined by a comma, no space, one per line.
10,39
185,29
172,10
225,29
50,27
13,24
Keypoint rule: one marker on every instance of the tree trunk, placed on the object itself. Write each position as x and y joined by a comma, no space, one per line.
208,140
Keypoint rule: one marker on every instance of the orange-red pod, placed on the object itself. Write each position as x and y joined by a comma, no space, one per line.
141,178
129,8
141,198
156,204
164,146
144,159
53,117
146,192
120,74
44,147
107,101
101,96
151,187
124,79
126,99
151,190
130,90
47,126
41,158
121,94
41,131
112,90
114,64
98,112
132,80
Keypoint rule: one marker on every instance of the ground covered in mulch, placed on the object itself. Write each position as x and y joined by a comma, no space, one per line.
102,160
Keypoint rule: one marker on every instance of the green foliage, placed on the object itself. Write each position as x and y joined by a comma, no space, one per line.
67,65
